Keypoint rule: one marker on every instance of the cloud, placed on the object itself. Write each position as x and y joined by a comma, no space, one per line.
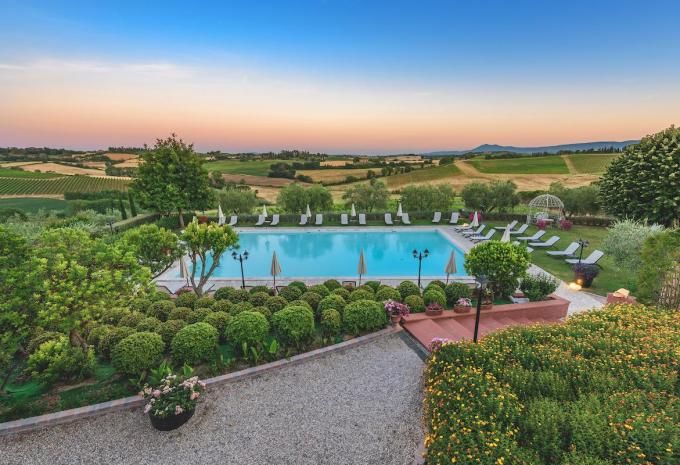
56,65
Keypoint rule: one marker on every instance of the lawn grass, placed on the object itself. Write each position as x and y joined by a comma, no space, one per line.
33,204
592,162
423,175
251,167
18,173
525,165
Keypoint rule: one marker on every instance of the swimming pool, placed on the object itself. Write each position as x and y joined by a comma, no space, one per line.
310,254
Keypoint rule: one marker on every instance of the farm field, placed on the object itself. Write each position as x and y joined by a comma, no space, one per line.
251,167
423,175
591,162
334,175
20,173
528,165
32,204
120,156
32,186
61,169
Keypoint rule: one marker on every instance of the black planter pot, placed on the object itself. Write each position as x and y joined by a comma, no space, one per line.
170,422
584,280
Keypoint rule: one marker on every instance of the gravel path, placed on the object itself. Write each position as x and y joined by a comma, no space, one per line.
360,406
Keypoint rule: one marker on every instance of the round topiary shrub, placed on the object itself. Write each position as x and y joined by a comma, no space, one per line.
387,293
141,304
131,319
331,322
257,289
156,295
300,285
137,353
312,298
363,315
197,315
294,325
374,285
361,294
501,262
160,309
94,336
415,303
194,343
109,339
221,306
239,295
240,307
332,284
320,289
168,330
223,293
149,324
365,288
186,299
259,298
204,302
218,320
249,327
342,292
275,303
290,293
263,310
180,313
434,296
332,301
113,315
440,284
298,303
455,291
407,288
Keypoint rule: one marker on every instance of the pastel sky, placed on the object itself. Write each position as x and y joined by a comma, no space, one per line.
338,76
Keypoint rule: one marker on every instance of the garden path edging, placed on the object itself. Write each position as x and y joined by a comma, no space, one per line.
66,416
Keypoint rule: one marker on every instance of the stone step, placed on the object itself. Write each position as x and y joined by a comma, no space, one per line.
454,330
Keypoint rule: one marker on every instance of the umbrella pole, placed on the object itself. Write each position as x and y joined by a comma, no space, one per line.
447,278
360,280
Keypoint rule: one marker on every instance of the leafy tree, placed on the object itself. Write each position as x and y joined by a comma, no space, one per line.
624,241
660,256
204,239
293,198
319,198
577,201
368,196
133,208
503,264
427,198
171,177
496,195
156,248
238,201
644,182
217,180
476,196
121,207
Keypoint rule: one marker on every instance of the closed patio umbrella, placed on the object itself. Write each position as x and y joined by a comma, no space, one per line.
361,268
354,211
451,266
506,234
276,268
183,270
475,221
399,211
221,219
264,210
309,212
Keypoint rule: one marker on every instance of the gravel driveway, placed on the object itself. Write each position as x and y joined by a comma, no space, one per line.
361,406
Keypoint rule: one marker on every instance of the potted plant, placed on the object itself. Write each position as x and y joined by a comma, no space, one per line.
585,273
172,399
396,310
462,305
487,299
434,309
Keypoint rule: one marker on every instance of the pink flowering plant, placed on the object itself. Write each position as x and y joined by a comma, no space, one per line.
394,308
173,394
464,302
437,343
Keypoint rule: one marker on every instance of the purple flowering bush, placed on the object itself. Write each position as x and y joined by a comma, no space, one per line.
437,343
464,302
394,308
173,394
435,307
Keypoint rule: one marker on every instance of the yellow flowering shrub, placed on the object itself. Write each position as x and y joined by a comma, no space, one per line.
601,388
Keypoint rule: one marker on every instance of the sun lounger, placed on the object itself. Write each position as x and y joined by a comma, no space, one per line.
488,236
303,220
549,243
350,283
344,220
533,238
510,226
474,232
568,252
591,259
362,219
233,220
454,218
529,249
437,217
260,220
275,220
520,230
388,219
319,219
405,219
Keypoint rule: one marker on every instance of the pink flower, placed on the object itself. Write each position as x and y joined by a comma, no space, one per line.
156,393
178,410
202,384
147,408
194,395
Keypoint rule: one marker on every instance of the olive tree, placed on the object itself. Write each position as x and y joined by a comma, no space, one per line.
427,198
155,247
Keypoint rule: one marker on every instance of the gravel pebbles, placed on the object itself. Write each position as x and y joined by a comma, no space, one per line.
360,406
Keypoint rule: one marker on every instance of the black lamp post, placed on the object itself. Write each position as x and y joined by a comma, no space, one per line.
241,257
583,244
481,284
419,256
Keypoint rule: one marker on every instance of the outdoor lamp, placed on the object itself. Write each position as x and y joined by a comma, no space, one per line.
482,281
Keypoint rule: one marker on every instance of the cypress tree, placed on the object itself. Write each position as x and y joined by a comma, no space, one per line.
133,208
121,207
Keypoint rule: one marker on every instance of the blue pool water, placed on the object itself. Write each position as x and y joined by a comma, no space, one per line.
336,254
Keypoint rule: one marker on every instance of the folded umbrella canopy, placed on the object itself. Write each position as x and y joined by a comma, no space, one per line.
399,210
264,211
354,211
309,212
221,219
276,268
451,267
475,221
361,268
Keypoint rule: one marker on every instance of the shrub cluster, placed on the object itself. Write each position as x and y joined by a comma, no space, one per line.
362,316
539,286
294,325
249,327
194,343
137,353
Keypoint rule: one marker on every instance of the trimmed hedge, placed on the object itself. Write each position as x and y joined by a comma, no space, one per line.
168,330
291,293
160,309
434,295
415,303
387,293
362,316
294,325
249,327
275,303
194,343
186,299
331,322
137,353
407,288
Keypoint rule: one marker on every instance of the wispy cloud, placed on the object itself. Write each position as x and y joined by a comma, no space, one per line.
56,65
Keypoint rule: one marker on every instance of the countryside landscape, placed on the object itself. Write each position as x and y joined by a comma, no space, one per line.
287,233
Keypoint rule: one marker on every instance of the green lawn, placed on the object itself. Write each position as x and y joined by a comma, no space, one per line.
592,162
17,173
252,167
32,204
525,165
422,175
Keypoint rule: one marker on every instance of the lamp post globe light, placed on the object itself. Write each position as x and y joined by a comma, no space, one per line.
419,256
482,281
582,243
241,257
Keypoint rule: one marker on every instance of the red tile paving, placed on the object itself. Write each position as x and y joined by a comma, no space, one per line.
459,327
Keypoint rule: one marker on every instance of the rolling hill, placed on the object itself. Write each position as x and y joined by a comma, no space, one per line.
490,148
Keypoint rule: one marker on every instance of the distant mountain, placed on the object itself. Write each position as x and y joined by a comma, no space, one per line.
490,148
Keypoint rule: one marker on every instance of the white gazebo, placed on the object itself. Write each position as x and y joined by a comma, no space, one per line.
545,207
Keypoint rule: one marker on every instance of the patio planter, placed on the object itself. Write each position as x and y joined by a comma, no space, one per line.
433,312
395,319
171,422
462,308
486,306
584,278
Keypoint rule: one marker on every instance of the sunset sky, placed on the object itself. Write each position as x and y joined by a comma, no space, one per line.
337,76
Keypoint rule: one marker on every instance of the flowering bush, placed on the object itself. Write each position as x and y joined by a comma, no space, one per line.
541,224
565,225
394,308
173,394
464,302
435,307
437,343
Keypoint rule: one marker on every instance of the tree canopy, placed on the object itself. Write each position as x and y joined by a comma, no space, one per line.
237,201
156,248
294,198
368,196
427,198
496,195
579,200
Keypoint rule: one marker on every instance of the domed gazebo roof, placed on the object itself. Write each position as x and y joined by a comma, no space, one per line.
546,202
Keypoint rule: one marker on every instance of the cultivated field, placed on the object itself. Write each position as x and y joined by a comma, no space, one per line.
334,175
56,186
591,163
528,165
61,169
120,156
423,175
250,167
20,173
32,204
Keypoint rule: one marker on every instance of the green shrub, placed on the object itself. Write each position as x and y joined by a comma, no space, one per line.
249,327
300,285
294,325
312,298
109,339
258,289
156,295
223,293
94,336
113,315
387,293
407,288
239,295
168,330
263,310
320,289
218,320
624,241
434,296
186,299
275,303
204,302
503,263
365,288
440,284
544,428
374,285
290,293
37,340
362,316
259,298
194,343
221,306
331,322
241,307
137,353
342,292
415,303
361,294
160,309
299,303
455,291
538,287
197,315
180,313
131,319
332,301
149,324
56,360
660,255
142,304
332,284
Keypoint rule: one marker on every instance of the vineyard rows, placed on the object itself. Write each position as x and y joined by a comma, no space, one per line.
30,186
